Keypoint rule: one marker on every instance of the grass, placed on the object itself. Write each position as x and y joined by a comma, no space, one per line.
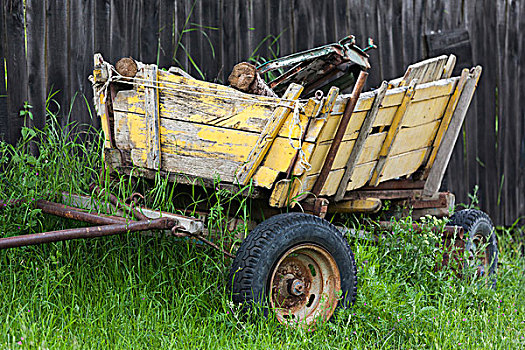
136,291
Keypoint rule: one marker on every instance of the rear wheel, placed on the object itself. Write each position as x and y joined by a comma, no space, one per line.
482,246
298,266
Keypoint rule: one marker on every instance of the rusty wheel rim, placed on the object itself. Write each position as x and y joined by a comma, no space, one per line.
305,285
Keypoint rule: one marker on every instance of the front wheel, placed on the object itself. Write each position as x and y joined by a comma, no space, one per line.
297,265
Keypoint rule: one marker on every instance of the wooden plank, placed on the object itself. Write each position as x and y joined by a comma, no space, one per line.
246,171
409,139
403,164
394,96
426,111
212,104
392,133
361,175
372,147
360,142
362,205
445,122
202,167
436,173
352,130
449,67
321,151
152,118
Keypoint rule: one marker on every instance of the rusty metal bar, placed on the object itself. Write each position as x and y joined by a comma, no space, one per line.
76,214
117,203
343,124
86,232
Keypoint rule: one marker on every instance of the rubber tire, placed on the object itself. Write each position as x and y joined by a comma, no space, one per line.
251,269
475,222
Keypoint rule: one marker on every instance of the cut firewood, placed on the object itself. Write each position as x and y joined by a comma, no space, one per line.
244,77
127,67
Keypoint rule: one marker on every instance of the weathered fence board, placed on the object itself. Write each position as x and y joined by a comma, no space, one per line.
62,36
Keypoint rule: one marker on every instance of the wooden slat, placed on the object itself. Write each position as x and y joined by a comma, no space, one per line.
409,139
151,99
403,164
392,133
436,173
449,67
246,171
358,147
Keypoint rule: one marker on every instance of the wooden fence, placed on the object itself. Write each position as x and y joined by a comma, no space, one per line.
49,45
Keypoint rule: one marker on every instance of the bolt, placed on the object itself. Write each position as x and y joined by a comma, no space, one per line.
296,287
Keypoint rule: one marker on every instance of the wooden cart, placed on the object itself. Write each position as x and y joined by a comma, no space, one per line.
302,155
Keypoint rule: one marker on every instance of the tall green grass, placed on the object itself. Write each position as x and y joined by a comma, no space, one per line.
136,291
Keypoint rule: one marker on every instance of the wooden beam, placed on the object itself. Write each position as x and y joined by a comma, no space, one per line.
365,205
436,173
360,142
392,133
152,118
445,121
268,135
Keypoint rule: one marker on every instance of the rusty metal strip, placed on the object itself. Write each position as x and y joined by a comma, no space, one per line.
392,133
360,142
343,124
86,232
76,214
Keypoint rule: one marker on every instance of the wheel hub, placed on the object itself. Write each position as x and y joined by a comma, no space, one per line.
304,285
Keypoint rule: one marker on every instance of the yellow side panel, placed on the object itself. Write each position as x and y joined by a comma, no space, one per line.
403,164
409,139
361,175
385,115
435,89
393,97
352,130
340,160
332,182
425,111
372,147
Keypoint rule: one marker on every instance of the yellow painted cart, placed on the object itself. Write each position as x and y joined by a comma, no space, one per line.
305,152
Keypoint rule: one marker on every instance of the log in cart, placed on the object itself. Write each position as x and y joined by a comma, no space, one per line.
302,146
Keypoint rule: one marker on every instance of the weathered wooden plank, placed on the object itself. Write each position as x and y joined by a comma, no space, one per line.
202,167
212,104
151,98
394,96
268,135
412,138
392,133
361,175
449,67
426,111
403,164
359,146
438,169
352,130
321,151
